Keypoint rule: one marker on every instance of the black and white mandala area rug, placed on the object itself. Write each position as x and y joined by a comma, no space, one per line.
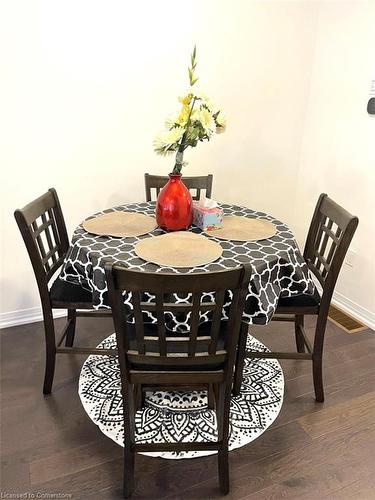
183,416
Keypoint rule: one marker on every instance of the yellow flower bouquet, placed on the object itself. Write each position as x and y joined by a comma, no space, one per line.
197,120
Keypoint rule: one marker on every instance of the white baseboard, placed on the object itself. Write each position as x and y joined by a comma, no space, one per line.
358,312
24,316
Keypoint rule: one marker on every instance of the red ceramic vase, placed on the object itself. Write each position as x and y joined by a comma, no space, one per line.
174,206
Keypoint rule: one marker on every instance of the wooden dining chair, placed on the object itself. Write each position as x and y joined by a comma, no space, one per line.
331,231
158,360
43,229
198,183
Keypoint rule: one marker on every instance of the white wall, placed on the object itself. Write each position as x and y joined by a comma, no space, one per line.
338,149
86,85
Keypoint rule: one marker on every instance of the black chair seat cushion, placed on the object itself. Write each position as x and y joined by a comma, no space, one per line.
151,330
302,300
63,291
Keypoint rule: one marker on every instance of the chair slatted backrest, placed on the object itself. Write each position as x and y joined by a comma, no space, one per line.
197,184
43,229
190,348
331,231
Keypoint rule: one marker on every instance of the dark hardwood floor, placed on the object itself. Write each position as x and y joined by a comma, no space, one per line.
49,445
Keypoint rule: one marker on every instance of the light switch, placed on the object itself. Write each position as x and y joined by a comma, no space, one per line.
371,106
371,102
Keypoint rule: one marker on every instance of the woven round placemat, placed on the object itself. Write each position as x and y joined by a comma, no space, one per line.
121,224
244,229
179,249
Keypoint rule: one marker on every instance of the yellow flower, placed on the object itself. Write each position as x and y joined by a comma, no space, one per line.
184,115
167,142
185,100
203,98
174,135
206,119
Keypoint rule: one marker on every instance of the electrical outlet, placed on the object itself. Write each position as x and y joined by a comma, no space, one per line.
350,258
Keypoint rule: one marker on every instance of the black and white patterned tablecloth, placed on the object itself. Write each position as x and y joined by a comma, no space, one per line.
278,266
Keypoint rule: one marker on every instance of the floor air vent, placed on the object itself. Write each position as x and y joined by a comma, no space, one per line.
344,321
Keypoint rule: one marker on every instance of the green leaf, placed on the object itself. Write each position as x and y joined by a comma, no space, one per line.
193,62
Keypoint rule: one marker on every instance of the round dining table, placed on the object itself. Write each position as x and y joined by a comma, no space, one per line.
278,270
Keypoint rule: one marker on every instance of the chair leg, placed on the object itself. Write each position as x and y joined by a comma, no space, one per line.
318,378
129,454
299,338
138,397
216,393
317,357
240,360
49,332
128,472
69,339
222,414
210,397
224,469
49,372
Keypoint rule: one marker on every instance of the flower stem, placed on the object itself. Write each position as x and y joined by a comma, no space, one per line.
181,148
